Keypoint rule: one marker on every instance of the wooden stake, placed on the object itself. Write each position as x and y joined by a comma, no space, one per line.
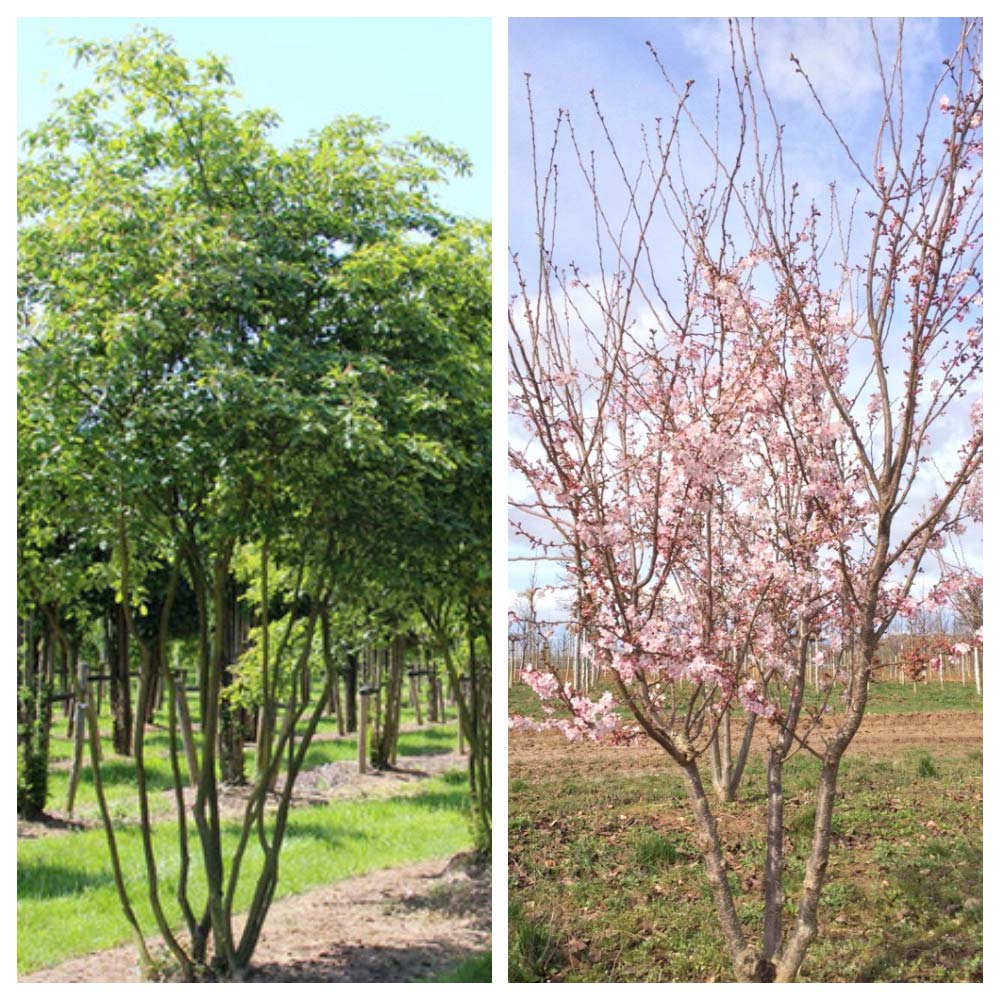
363,735
79,735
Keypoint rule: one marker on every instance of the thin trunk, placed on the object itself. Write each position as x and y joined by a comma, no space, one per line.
206,811
743,957
351,692
231,767
386,748
176,697
79,732
432,692
789,960
264,729
774,894
415,695
363,734
109,832
268,881
120,684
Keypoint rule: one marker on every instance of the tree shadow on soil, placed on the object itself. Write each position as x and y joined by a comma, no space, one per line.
359,963
464,893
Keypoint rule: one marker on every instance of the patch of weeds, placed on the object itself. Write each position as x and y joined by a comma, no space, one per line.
517,823
585,853
517,786
925,767
475,969
939,850
837,895
651,849
532,948
802,820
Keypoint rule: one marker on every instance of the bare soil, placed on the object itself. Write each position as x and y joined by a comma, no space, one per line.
397,925
880,736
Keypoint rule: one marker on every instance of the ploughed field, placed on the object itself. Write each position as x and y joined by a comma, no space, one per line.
606,883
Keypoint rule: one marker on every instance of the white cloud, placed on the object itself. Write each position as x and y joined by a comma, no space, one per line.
837,53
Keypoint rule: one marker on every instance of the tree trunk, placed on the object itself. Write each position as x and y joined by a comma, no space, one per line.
789,961
433,698
388,740
231,768
79,732
35,718
744,959
351,693
117,639
415,697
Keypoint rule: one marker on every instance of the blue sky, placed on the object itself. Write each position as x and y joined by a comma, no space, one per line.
428,75
568,57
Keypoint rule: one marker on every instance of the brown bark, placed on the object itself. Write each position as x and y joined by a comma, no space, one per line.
118,652
384,752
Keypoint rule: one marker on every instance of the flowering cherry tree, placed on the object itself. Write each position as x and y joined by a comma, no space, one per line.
732,470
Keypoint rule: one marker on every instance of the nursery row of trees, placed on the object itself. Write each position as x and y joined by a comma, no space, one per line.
744,423
253,448
943,639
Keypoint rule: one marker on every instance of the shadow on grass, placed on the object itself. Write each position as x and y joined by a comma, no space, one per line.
427,742
49,881
302,829
453,799
122,772
943,883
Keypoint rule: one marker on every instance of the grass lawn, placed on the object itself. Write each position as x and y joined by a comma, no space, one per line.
118,772
67,903
606,882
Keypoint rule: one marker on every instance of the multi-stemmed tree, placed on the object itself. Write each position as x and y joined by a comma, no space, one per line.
251,374
734,468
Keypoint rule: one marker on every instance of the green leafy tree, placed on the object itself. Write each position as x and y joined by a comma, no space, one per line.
227,347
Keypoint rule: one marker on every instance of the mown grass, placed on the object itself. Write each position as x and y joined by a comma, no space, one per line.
606,881
118,772
67,904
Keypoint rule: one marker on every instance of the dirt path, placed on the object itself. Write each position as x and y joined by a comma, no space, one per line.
879,736
393,926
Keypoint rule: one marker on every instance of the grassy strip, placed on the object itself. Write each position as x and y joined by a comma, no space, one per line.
606,883
66,899
885,698
119,772
61,747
